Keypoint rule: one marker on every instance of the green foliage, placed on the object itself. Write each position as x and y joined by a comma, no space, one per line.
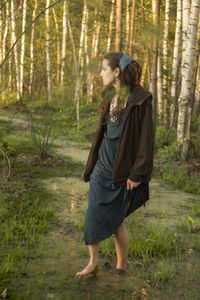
165,273
164,137
188,225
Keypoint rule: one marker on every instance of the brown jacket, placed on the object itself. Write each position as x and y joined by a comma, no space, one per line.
134,157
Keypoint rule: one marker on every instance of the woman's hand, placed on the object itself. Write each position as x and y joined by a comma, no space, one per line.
131,184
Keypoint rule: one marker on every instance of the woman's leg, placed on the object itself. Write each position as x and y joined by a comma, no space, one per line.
94,253
122,245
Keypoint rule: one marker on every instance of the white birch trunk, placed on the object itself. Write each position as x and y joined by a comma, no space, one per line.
58,45
23,48
196,108
32,50
127,24
4,51
159,87
197,91
48,61
165,61
175,64
63,42
87,56
82,36
185,23
184,115
78,81
110,27
132,28
95,42
15,49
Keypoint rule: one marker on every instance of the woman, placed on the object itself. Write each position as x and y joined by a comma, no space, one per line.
120,161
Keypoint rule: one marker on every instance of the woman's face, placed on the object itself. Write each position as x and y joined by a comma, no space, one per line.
107,74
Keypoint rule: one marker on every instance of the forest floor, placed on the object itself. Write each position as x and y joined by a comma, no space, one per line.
41,263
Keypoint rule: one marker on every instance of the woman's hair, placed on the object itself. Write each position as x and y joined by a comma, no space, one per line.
129,78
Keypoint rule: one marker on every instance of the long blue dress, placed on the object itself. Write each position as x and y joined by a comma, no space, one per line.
109,205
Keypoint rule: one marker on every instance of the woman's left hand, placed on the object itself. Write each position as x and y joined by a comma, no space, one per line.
132,184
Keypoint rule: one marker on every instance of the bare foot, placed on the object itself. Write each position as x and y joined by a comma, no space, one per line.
121,266
91,268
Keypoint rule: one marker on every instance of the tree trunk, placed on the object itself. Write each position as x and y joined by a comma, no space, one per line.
95,41
23,48
197,91
110,26
144,69
3,53
127,25
175,65
165,63
184,115
160,88
87,56
78,81
196,67
58,45
153,88
15,49
185,23
132,28
118,41
32,50
63,42
48,61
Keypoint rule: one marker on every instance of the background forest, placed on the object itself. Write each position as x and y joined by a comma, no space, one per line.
50,90
50,49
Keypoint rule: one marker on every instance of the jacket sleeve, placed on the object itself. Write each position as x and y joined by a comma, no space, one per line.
143,164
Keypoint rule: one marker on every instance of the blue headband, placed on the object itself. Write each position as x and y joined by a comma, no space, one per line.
124,61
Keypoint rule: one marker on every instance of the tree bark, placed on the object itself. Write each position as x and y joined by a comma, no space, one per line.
110,27
58,45
184,115
48,60
32,50
78,81
127,25
5,34
23,48
13,34
118,40
165,63
160,87
175,65
132,28
153,87
63,43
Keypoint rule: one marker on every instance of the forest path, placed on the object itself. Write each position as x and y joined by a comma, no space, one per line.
52,276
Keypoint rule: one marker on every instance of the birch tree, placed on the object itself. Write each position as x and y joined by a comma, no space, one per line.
32,49
63,42
165,61
16,58
184,114
175,64
58,44
3,52
22,48
78,81
95,41
110,27
132,28
153,86
118,41
127,25
48,61
160,87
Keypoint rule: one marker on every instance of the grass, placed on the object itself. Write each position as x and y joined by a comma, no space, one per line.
26,207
